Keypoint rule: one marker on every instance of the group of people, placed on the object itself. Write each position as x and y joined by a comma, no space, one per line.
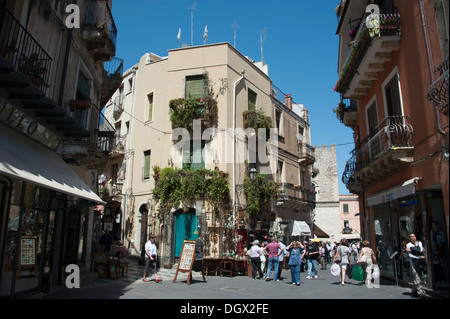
273,253
344,254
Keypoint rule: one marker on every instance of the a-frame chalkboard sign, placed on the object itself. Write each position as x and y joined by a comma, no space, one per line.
192,251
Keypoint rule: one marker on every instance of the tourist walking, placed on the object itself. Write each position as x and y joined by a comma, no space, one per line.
296,253
272,250
282,252
342,253
255,258
312,254
323,257
418,264
367,259
263,256
150,259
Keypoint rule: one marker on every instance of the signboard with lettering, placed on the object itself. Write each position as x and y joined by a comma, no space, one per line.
190,252
19,121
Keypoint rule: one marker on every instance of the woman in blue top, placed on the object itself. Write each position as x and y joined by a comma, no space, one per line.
296,252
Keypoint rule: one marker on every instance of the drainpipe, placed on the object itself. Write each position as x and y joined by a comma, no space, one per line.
429,60
234,142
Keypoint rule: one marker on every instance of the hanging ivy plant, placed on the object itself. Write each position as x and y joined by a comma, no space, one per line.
258,192
257,119
179,186
184,111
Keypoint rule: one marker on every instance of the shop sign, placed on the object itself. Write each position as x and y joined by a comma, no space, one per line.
19,121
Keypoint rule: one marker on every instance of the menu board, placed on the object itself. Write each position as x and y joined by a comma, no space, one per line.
191,250
187,255
28,251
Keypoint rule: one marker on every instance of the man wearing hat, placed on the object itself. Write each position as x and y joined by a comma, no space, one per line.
255,257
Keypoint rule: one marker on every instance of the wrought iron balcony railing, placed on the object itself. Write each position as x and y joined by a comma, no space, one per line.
438,91
287,191
393,134
98,15
24,52
102,133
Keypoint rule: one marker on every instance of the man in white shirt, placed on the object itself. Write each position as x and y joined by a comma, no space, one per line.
150,259
282,252
418,264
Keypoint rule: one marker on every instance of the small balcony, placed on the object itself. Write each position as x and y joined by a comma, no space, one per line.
384,152
90,152
306,154
346,112
438,91
119,147
99,30
112,78
368,52
295,197
348,179
118,105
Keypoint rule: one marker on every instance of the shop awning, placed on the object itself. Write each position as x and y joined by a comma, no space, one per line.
320,232
402,190
22,158
300,228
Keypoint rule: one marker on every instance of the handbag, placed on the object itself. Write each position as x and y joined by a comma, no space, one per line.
362,259
337,257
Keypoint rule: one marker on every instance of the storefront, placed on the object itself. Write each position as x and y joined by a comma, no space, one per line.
44,214
401,211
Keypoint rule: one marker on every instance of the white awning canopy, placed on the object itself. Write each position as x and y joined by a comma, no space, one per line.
24,159
300,228
402,190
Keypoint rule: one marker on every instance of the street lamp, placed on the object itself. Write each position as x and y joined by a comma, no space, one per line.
253,172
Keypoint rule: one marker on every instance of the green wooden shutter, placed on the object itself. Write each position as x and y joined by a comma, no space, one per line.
251,100
146,173
195,86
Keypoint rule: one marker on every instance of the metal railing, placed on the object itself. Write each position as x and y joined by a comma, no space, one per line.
287,191
23,51
113,68
306,150
439,90
393,133
98,14
94,121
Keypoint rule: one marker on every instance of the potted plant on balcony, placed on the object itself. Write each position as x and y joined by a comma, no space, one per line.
34,69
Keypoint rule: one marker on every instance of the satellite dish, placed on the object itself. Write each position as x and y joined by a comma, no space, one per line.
299,136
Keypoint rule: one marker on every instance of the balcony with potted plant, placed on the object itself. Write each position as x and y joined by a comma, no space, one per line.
99,30
371,48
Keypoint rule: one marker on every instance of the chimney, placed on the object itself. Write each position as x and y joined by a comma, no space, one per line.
288,101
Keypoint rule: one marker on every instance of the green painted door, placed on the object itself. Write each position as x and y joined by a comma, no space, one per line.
186,227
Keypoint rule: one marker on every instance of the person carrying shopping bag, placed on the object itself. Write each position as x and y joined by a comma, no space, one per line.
367,259
342,257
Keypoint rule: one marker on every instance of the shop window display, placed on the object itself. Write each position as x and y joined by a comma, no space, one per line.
383,237
27,250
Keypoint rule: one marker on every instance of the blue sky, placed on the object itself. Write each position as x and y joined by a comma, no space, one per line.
300,48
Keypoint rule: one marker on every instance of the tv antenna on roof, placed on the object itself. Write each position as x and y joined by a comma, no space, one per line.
192,23
262,39
235,26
